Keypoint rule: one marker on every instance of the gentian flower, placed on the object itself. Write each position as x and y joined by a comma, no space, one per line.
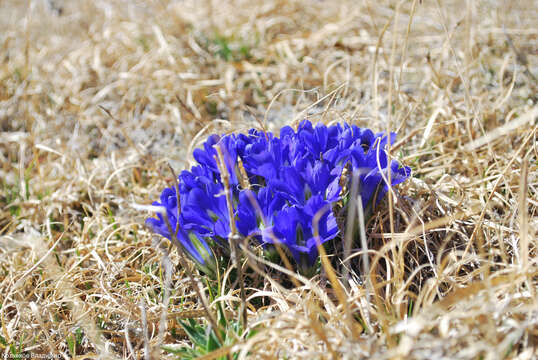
283,189
294,228
179,231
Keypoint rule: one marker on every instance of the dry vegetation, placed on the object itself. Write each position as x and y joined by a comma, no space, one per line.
96,97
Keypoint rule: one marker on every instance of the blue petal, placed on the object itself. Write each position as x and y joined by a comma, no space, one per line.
222,229
321,137
204,158
367,137
305,125
286,132
158,226
246,216
369,185
317,177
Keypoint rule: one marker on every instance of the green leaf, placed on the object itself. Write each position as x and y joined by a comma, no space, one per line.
195,332
71,345
79,336
184,352
212,341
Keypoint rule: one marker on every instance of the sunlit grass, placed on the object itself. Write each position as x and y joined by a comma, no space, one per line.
98,97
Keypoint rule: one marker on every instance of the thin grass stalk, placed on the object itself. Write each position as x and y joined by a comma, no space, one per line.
364,247
318,329
254,259
234,236
350,223
184,265
393,245
331,274
398,258
167,265
524,221
380,310
480,220
144,320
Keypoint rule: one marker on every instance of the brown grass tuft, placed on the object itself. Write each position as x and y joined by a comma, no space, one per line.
97,97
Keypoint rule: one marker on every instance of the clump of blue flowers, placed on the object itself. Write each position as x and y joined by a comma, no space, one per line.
282,189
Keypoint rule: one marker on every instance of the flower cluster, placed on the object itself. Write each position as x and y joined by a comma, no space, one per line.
282,188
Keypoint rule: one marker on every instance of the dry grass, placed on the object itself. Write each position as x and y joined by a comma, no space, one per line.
97,96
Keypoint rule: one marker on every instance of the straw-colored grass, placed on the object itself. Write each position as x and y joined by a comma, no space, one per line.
97,97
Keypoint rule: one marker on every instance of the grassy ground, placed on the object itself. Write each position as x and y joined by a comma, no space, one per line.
96,97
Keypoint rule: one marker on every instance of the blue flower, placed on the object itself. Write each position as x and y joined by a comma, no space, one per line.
283,189
294,227
176,229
